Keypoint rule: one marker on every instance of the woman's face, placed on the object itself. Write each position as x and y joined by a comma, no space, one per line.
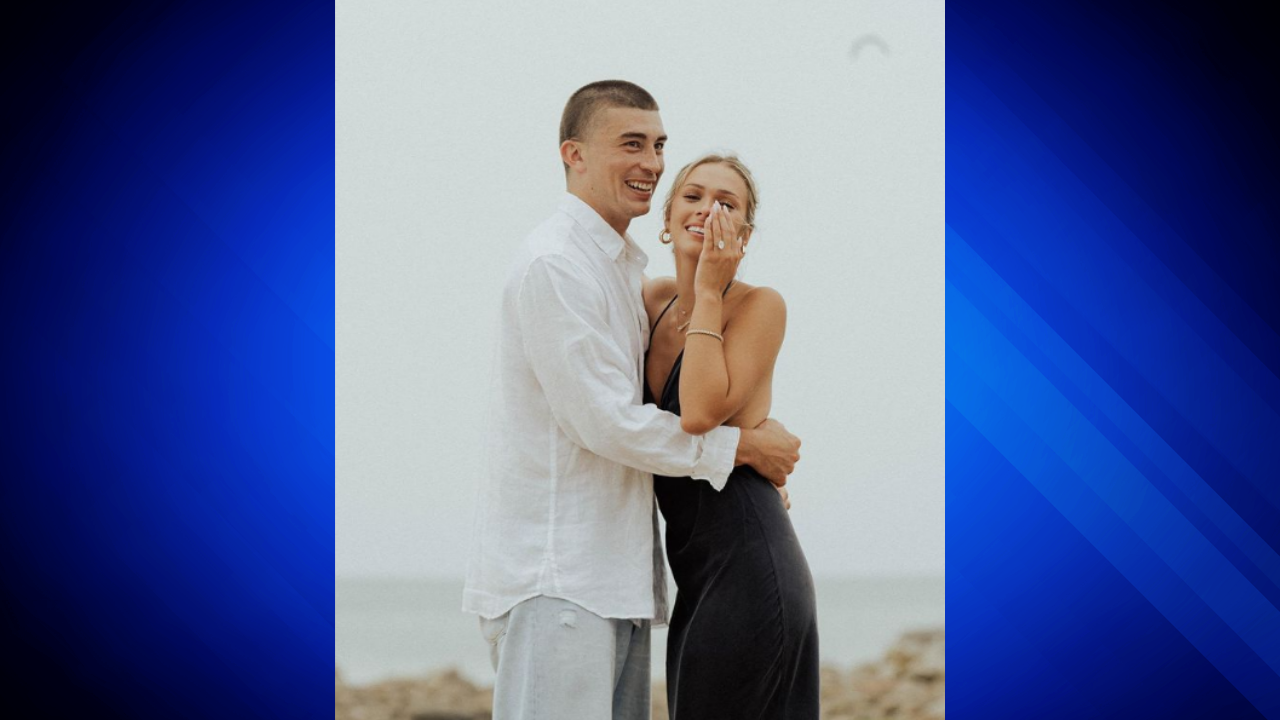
691,204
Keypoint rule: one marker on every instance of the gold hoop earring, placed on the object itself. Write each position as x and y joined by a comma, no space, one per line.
664,237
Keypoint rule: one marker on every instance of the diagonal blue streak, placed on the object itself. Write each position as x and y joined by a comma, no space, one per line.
1080,178
1113,406
1116,541
1118,303
1113,539
1139,391
1107,473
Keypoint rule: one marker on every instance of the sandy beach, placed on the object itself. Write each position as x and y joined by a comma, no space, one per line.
908,681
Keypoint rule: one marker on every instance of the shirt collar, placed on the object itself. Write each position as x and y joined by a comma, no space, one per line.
600,232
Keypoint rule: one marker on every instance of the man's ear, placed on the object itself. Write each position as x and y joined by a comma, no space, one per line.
571,154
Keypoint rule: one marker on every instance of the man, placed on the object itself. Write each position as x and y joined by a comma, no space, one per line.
567,570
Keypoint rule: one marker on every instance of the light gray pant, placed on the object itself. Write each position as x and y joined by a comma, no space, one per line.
558,661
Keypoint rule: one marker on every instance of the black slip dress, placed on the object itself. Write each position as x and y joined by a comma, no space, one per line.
743,638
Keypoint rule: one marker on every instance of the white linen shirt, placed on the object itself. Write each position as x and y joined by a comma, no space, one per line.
566,508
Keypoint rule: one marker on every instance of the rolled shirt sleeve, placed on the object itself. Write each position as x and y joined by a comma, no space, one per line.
589,381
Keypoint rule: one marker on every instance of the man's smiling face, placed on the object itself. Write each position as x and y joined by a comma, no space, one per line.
621,164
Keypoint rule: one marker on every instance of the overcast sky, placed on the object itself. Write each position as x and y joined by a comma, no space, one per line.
447,121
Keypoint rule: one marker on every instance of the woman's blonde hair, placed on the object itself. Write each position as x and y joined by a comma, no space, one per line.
753,196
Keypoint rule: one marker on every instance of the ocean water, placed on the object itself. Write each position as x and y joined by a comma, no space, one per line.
400,628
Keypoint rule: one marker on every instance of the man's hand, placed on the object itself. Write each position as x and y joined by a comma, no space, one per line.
770,449
786,496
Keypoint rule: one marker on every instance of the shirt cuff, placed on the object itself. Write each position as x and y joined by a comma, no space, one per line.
719,447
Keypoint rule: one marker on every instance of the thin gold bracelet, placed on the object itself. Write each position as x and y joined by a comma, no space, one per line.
715,335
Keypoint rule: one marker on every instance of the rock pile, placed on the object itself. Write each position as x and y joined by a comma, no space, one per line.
909,683
444,695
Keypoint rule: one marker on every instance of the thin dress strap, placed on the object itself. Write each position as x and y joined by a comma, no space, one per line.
673,302
664,312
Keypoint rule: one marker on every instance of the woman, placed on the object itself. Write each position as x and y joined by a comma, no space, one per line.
743,639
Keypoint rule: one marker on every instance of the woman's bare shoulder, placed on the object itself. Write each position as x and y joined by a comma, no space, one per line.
657,292
759,298
760,305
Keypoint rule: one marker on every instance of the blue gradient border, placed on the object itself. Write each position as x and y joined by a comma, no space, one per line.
1113,362
167,286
